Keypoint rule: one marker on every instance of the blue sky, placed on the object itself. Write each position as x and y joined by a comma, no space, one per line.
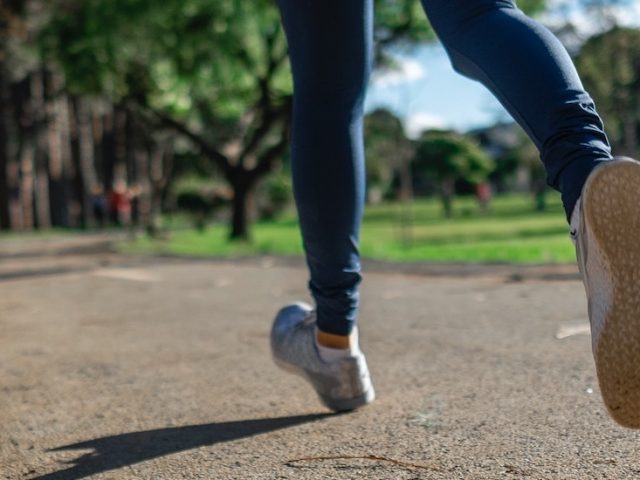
426,93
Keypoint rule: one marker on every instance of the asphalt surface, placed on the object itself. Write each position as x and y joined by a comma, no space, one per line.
117,367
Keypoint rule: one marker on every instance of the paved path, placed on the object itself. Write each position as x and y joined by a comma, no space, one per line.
120,368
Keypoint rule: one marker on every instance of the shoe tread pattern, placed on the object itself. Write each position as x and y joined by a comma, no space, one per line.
611,208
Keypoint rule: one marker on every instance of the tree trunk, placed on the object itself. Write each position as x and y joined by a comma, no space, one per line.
142,200
13,183
121,170
405,195
23,114
80,192
86,145
5,220
167,180
97,136
59,152
108,149
161,178
242,183
41,180
15,105
26,187
448,189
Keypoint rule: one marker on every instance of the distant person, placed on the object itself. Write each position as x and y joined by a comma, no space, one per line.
120,204
484,195
529,71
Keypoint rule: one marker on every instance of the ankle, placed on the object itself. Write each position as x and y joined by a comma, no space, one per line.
333,347
331,340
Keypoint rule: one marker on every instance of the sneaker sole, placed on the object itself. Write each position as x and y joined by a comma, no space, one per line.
331,403
611,207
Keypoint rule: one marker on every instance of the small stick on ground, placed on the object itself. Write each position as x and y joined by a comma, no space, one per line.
376,458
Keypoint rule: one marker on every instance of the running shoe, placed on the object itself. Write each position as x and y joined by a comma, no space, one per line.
606,228
343,384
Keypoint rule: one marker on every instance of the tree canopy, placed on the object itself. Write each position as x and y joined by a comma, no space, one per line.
386,149
609,64
212,71
404,24
90,87
448,157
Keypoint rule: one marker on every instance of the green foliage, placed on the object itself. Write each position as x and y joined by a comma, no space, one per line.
183,56
200,199
447,155
196,206
401,22
532,7
610,68
525,155
214,71
385,147
188,51
190,54
211,71
274,195
193,202
404,23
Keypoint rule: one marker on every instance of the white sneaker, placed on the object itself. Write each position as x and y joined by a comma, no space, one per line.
608,249
343,384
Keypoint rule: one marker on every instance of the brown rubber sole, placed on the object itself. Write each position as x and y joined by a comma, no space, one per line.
611,209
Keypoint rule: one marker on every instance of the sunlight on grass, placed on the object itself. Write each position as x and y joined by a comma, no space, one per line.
511,232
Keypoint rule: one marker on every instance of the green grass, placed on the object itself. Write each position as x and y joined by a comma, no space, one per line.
511,232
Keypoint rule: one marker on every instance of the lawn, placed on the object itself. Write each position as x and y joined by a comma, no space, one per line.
511,232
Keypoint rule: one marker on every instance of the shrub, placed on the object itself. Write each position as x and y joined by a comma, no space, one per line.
273,196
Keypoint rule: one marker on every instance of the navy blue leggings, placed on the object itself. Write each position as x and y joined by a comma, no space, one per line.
330,45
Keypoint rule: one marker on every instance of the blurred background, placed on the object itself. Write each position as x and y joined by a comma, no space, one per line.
169,121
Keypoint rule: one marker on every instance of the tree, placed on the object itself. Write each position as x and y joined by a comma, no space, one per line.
211,71
449,157
16,30
35,160
98,90
387,151
524,157
403,23
610,67
5,221
215,72
10,13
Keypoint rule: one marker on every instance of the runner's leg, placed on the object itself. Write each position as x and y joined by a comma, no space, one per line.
526,67
330,43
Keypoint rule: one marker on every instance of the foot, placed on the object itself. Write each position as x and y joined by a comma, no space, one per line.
607,233
342,384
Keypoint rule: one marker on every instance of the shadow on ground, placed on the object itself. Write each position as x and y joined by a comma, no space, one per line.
117,451
40,272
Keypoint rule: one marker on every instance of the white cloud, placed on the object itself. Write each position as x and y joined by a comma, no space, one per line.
586,21
408,70
629,15
417,123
